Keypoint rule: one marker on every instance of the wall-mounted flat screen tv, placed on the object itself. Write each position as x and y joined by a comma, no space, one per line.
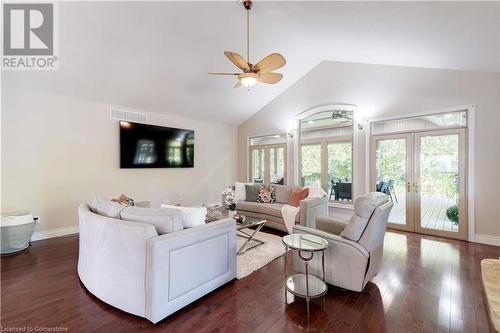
149,146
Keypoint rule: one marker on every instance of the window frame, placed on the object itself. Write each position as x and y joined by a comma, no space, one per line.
356,137
324,142
267,169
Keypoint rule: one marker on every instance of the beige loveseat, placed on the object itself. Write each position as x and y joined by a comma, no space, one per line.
271,212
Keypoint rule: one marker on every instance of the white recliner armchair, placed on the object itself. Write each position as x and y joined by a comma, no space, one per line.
355,247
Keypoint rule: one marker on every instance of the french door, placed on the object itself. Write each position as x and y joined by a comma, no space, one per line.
424,173
327,163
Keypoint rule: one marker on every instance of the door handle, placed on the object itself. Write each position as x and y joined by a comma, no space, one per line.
408,187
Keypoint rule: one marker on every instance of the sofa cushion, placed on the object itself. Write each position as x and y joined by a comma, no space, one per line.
297,196
191,216
251,192
164,220
273,209
240,191
283,193
105,207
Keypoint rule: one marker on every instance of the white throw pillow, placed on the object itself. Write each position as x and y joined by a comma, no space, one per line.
240,193
164,220
105,207
315,191
191,216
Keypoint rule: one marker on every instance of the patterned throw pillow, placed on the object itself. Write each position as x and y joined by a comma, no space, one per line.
266,194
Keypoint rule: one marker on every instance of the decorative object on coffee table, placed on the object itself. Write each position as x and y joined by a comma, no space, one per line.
217,213
213,211
305,285
239,218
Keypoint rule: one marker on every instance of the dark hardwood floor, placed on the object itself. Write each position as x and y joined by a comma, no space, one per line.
426,284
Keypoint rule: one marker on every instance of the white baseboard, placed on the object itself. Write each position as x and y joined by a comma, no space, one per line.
59,232
487,239
45,234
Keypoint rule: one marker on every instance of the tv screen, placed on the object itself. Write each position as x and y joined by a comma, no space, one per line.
149,146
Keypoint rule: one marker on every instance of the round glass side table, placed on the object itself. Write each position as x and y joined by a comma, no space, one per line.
305,285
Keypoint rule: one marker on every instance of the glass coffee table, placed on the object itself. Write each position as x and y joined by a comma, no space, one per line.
305,285
250,240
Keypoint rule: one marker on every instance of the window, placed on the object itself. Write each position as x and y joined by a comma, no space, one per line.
258,170
428,122
277,165
326,151
268,159
311,164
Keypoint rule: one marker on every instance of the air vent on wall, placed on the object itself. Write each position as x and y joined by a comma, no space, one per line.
127,115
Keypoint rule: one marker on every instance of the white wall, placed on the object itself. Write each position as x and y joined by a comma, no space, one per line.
382,91
58,152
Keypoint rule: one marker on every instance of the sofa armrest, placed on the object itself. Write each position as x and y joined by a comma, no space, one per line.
112,259
345,261
329,225
183,266
331,238
310,209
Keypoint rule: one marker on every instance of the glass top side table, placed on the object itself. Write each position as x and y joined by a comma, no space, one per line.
305,285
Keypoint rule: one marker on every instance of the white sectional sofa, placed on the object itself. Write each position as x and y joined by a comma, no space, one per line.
129,266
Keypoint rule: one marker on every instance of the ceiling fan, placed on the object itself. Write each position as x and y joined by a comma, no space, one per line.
339,114
261,71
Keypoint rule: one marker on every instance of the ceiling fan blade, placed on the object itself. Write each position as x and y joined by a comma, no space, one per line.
224,73
238,84
270,78
270,63
237,60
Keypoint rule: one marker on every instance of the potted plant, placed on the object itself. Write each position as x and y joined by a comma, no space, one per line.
452,214
229,199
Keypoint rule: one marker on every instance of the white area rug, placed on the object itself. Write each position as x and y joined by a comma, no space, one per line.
259,256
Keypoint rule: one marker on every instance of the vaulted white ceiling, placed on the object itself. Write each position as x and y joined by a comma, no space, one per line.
155,56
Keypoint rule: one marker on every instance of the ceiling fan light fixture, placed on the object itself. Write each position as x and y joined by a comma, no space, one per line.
248,81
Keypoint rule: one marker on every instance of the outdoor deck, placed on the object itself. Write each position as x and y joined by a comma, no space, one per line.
433,213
